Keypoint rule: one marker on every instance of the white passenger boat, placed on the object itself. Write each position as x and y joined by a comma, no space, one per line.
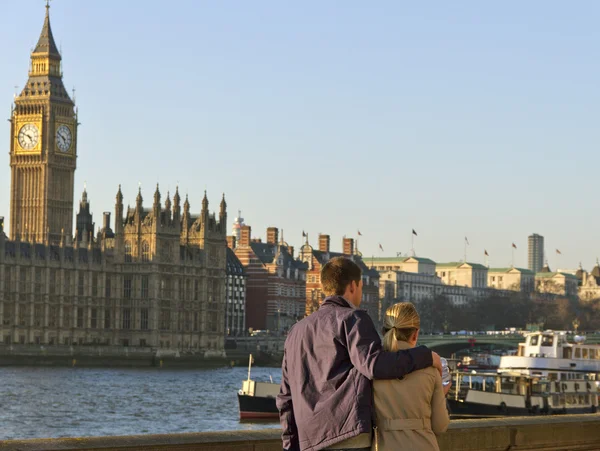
547,375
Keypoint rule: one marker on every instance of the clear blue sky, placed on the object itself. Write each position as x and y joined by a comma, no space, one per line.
453,118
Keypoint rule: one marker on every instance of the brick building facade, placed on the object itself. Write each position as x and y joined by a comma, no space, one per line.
276,286
316,258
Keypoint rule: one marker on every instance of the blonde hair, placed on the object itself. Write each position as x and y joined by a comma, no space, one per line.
400,323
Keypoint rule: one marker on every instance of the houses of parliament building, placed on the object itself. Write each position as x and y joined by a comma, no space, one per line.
156,278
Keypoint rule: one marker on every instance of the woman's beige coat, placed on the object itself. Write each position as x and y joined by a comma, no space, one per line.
410,411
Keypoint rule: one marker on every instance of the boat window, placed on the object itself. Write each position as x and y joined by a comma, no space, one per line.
586,355
577,353
533,341
563,376
567,353
553,376
547,340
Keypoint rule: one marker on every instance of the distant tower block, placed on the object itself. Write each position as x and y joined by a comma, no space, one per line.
236,229
535,252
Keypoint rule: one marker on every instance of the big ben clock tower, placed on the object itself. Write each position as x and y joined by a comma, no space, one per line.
43,149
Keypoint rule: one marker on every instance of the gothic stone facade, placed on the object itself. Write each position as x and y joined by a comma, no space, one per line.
43,149
158,280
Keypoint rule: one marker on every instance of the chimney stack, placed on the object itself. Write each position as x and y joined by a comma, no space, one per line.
272,235
324,241
245,235
231,241
348,246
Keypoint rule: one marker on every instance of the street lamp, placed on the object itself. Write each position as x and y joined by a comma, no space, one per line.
575,325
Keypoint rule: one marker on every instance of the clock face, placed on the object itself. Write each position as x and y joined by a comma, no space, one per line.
29,136
63,138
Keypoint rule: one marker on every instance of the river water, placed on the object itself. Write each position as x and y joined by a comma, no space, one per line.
80,402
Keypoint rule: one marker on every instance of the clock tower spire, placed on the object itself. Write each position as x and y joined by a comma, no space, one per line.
43,148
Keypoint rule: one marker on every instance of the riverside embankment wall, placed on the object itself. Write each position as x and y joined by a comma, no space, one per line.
540,433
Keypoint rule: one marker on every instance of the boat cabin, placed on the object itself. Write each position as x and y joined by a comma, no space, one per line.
555,345
546,344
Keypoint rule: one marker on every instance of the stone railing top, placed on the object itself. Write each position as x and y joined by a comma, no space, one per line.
548,433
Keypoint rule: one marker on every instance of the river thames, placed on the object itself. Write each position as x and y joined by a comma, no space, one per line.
80,402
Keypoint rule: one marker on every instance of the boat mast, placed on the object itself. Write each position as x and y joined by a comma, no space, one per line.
249,365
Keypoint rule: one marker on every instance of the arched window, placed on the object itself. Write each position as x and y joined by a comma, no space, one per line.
128,258
145,251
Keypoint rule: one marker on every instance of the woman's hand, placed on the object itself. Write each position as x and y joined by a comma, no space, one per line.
447,388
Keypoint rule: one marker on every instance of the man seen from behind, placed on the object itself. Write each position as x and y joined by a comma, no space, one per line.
330,358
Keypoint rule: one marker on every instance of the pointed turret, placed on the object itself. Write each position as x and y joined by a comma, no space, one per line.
223,215
185,221
156,206
204,204
168,202
223,205
46,44
157,197
85,223
176,207
119,212
46,63
186,206
139,201
168,208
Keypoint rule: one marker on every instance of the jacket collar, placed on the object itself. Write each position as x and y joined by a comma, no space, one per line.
336,301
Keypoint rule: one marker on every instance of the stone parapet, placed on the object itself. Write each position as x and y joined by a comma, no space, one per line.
554,433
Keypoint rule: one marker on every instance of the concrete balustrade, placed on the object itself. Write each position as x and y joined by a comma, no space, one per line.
554,433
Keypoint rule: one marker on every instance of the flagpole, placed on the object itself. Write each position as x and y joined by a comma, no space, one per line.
412,238
465,250
513,257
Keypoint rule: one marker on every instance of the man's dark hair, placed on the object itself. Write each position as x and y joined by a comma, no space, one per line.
337,274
